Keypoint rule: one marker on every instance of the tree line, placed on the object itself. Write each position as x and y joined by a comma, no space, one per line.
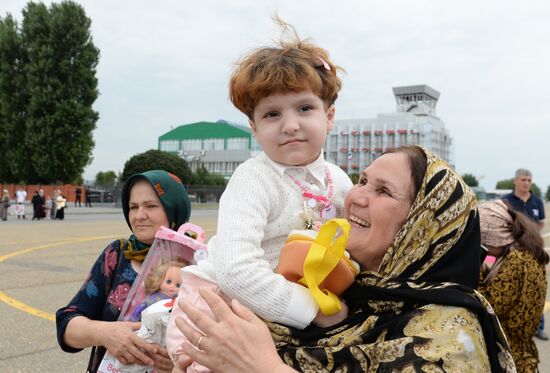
48,85
159,160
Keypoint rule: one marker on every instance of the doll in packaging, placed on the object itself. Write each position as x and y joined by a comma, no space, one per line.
163,283
152,295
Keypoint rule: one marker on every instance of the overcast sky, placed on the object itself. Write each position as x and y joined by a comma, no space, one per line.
166,63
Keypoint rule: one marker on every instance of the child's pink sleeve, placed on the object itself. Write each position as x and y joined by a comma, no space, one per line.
189,292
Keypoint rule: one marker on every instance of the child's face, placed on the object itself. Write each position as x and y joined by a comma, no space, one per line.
171,282
292,127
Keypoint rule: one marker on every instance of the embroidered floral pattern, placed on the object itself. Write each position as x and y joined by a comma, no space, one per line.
109,264
118,297
103,293
175,178
159,189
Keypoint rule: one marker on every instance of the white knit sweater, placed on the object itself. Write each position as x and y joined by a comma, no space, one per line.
258,209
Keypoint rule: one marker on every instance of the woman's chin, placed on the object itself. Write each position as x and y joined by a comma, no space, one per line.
146,239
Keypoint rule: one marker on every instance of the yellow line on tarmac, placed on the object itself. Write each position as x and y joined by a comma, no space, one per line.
48,316
22,306
21,242
24,251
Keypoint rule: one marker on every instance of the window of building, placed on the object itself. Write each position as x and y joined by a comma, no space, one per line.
169,145
195,144
213,144
237,143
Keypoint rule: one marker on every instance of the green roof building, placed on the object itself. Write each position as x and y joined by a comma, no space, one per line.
218,146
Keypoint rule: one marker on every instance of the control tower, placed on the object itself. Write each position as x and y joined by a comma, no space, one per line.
416,99
354,143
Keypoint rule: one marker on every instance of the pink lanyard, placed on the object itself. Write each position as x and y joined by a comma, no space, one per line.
308,195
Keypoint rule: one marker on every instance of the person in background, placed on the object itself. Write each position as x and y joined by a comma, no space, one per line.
88,197
524,201
53,211
413,308
78,196
4,204
43,207
515,284
20,197
48,206
38,205
60,204
149,200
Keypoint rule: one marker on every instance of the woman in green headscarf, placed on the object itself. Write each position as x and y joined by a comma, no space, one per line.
149,200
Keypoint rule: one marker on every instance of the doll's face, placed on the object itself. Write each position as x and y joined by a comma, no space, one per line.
171,282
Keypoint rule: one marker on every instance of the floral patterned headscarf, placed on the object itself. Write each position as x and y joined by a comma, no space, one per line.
432,263
496,224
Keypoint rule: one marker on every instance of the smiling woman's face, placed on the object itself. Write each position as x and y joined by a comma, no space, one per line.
377,208
146,212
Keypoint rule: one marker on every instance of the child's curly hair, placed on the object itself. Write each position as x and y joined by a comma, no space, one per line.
291,66
154,279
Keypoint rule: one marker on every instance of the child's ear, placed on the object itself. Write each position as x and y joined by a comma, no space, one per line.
252,126
331,112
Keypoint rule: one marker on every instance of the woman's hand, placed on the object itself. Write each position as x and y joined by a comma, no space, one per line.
235,341
118,337
121,341
326,321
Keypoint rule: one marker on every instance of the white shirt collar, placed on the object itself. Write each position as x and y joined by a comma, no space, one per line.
316,168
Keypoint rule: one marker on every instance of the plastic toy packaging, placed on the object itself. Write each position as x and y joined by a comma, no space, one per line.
153,293
319,261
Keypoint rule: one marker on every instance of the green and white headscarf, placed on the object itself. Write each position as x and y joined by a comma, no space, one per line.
173,197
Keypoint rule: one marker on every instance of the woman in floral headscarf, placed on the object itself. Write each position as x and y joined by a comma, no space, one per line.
415,233
149,200
515,284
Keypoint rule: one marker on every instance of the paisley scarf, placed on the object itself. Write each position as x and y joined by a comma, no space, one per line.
173,197
420,311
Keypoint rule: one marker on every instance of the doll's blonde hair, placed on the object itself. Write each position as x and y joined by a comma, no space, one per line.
154,279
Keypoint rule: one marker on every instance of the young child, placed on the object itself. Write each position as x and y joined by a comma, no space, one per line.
288,93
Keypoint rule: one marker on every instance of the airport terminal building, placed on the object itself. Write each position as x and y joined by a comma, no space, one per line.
352,144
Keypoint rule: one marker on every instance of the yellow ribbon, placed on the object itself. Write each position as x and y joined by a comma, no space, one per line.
323,256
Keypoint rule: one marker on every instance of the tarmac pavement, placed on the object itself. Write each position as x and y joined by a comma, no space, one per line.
43,264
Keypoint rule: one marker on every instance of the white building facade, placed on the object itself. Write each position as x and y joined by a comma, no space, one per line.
220,147
354,143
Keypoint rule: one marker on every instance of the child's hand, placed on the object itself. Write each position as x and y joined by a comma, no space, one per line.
326,321
182,363
162,362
